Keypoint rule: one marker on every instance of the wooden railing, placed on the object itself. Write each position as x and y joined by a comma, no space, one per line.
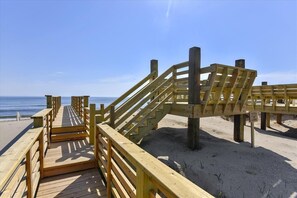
223,89
129,171
119,102
56,105
53,102
79,103
149,99
273,98
21,166
89,121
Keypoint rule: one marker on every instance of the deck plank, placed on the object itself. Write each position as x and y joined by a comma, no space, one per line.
67,117
65,157
86,183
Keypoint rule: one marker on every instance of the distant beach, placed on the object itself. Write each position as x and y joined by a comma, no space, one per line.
27,106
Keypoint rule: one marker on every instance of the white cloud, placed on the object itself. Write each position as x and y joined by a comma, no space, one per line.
168,8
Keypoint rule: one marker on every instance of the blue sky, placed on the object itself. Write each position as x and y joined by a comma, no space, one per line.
101,48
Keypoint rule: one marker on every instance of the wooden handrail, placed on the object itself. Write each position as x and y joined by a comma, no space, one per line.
131,171
130,91
23,153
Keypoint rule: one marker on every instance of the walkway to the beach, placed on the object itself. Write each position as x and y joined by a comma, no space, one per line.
69,163
67,125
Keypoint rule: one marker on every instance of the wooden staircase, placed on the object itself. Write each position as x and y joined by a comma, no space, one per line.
139,110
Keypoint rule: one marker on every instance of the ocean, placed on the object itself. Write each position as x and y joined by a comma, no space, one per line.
28,106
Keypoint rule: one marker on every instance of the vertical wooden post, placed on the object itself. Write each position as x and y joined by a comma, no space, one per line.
279,118
49,101
38,122
29,181
238,133
143,185
267,119
108,178
102,112
263,114
92,123
41,153
86,101
252,135
112,116
154,68
194,95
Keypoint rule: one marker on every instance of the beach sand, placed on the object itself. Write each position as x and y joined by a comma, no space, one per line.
226,168
221,166
10,131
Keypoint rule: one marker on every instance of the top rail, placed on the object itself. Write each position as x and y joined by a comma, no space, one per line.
130,91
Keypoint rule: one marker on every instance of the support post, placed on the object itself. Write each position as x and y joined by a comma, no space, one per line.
154,68
86,101
112,116
267,119
252,135
49,101
144,187
238,133
279,118
101,113
108,171
263,114
92,123
194,95
29,181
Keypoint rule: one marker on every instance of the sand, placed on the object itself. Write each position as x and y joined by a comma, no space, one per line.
222,167
10,131
226,168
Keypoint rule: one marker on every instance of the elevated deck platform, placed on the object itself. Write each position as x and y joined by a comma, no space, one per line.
78,184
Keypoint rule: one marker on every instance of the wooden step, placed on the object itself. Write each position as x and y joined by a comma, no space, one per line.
70,167
69,136
68,129
70,156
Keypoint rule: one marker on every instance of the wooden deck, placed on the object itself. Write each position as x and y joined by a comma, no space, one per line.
67,121
70,156
86,183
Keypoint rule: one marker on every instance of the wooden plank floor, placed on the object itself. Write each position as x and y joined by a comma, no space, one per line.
86,183
65,157
67,117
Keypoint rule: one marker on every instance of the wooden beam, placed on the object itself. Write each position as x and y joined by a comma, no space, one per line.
92,123
49,101
29,174
263,114
154,69
238,133
194,95
278,118
112,116
86,101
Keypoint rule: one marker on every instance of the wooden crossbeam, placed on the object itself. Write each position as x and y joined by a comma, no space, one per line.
222,84
233,81
208,92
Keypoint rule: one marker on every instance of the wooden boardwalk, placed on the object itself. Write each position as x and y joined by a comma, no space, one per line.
68,125
67,120
69,156
86,183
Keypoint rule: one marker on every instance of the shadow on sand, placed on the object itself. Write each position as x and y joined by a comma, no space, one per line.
225,168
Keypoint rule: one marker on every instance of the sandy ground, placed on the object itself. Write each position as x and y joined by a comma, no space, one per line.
10,131
226,168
